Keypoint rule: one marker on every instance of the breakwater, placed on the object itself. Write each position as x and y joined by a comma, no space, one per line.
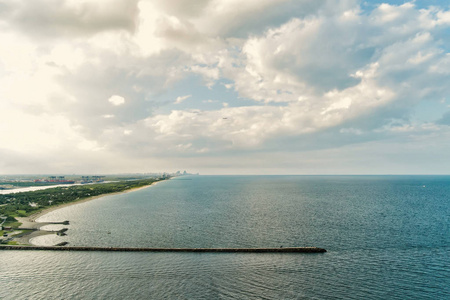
202,250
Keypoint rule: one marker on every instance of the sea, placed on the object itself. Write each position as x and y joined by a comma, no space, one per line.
387,237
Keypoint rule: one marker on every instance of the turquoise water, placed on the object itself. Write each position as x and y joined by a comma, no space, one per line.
387,237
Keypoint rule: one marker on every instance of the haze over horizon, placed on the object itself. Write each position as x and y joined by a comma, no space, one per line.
224,86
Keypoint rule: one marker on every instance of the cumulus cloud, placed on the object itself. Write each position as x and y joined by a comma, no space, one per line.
182,98
116,100
59,19
284,76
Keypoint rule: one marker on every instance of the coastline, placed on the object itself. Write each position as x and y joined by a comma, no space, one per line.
30,222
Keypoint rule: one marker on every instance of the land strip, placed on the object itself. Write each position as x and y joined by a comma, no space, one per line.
20,215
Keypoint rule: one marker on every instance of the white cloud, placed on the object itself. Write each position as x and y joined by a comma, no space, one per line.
443,17
58,19
116,100
182,98
287,75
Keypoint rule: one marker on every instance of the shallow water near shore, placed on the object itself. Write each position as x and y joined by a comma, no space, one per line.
387,237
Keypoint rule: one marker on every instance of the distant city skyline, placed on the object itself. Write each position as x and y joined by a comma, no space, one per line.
224,87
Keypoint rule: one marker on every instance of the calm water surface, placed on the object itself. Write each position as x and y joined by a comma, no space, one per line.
388,237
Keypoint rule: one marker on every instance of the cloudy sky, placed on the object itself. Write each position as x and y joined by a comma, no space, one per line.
225,86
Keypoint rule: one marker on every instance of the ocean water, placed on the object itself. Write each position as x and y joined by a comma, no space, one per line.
387,237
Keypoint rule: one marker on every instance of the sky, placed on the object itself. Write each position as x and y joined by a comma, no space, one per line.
224,86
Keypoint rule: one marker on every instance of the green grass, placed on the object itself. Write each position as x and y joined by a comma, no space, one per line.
22,213
12,224
17,205
22,232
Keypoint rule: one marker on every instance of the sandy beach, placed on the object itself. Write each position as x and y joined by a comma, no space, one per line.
31,223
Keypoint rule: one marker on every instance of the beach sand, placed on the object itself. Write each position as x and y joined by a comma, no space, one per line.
31,223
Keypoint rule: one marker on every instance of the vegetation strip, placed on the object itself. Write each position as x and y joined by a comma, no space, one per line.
23,204
204,250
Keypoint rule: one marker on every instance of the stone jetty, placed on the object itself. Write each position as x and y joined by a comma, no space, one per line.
202,250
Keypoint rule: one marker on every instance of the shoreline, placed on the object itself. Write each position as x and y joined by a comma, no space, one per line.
30,222
35,216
